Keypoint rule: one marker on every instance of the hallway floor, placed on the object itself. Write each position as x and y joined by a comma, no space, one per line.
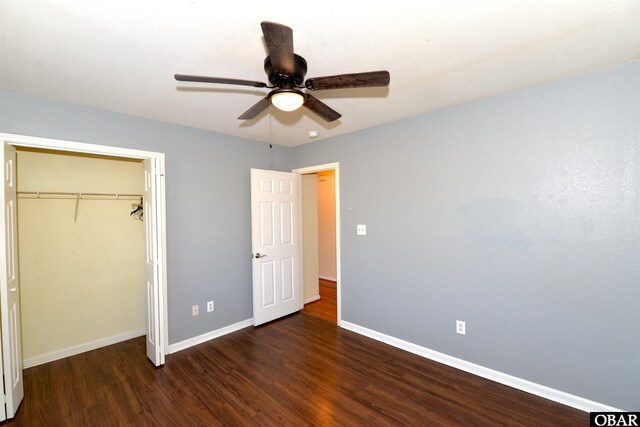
326,307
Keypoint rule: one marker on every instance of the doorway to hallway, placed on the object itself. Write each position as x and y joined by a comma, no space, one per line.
319,231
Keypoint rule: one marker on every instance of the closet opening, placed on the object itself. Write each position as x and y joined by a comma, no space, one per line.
53,202
81,247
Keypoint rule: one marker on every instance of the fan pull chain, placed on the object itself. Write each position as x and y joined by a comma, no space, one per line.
271,164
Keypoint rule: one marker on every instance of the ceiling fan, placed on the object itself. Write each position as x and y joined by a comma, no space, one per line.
286,72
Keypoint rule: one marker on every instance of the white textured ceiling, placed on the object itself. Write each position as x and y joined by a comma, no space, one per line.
121,55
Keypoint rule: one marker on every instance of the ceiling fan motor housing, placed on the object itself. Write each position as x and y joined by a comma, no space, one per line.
277,79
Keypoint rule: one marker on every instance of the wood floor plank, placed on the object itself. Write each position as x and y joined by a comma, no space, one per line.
327,306
297,371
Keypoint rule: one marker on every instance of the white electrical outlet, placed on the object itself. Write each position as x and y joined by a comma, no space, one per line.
209,306
195,310
361,230
461,327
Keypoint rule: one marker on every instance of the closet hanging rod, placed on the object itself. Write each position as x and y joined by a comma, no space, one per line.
78,195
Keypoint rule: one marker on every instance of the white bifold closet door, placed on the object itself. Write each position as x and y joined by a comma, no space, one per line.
10,290
151,265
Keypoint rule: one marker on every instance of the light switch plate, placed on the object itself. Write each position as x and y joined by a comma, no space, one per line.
361,230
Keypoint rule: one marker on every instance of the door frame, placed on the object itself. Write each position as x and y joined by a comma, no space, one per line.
314,169
161,243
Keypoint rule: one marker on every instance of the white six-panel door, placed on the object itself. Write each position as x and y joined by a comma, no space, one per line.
9,287
274,235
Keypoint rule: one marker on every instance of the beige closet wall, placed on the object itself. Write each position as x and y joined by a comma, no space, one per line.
327,225
80,281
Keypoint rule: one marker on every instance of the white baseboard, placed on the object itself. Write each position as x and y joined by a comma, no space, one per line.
182,345
312,299
499,377
77,349
331,279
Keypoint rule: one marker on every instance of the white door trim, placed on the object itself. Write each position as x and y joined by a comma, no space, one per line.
80,147
313,169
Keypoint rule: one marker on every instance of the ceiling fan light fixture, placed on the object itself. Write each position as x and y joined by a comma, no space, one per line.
287,99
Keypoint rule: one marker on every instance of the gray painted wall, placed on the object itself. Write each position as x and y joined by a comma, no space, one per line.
208,200
518,214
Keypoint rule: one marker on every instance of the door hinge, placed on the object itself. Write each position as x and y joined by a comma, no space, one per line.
4,398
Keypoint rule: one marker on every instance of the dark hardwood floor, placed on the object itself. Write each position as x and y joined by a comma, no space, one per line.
327,306
296,371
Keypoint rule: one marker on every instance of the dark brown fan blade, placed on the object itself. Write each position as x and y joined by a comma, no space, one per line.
321,109
256,109
222,80
344,81
279,39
